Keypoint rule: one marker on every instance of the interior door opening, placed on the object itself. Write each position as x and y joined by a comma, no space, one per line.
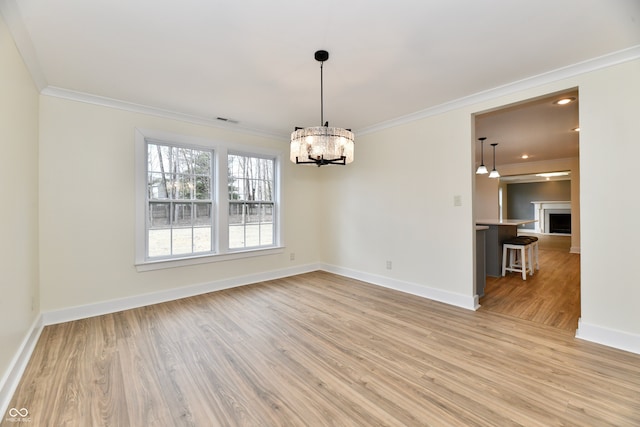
534,137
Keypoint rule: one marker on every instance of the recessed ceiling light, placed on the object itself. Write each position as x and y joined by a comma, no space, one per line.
577,129
524,156
565,101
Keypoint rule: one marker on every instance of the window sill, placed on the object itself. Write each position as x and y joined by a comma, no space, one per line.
205,259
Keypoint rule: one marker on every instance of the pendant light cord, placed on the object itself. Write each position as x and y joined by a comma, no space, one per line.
321,95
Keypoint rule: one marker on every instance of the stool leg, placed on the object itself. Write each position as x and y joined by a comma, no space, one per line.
523,263
530,249
504,259
535,250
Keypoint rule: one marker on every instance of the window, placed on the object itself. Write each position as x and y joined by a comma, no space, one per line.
251,194
179,200
201,201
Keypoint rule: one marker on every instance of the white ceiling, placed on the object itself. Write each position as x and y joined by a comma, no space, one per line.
252,61
539,128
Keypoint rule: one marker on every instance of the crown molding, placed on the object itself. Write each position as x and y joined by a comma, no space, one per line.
517,86
58,92
593,64
11,15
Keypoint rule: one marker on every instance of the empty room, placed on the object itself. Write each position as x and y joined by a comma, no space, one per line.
249,213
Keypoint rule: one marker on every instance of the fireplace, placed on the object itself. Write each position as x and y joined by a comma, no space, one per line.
560,223
543,211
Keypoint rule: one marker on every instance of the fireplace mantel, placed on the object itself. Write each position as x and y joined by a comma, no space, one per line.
541,212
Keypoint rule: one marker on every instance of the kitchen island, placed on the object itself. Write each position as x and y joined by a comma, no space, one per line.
498,232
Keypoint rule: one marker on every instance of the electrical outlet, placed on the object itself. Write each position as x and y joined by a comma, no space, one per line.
457,200
389,265
292,256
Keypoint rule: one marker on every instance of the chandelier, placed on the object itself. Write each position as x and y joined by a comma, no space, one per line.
322,145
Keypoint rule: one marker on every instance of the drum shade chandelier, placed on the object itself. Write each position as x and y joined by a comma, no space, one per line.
322,145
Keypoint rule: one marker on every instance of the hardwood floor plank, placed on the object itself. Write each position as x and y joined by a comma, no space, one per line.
320,349
551,296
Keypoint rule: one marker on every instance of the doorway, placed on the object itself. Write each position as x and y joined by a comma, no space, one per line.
533,137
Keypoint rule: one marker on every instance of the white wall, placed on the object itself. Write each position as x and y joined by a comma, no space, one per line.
19,211
395,202
610,201
87,208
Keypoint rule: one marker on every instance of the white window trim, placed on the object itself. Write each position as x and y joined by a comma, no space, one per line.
220,200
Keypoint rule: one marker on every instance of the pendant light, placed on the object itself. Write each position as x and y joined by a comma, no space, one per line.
482,169
494,173
322,145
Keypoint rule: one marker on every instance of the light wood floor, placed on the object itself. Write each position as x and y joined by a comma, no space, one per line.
551,296
320,350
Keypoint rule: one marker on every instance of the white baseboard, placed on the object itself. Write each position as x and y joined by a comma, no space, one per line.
459,300
11,378
113,306
609,337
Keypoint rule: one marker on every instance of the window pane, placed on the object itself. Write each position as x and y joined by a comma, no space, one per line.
236,236
159,242
182,241
266,234
159,214
182,214
183,160
266,213
236,211
252,235
202,239
159,158
203,187
183,187
159,185
202,163
202,214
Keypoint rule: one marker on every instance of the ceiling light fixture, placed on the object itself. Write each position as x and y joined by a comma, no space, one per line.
565,101
494,173
482,169
550,174
576,129
322,145
524,156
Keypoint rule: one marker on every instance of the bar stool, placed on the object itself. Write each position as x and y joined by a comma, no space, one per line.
521,255
534,245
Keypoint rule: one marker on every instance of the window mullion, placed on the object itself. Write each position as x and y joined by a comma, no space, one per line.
221,200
